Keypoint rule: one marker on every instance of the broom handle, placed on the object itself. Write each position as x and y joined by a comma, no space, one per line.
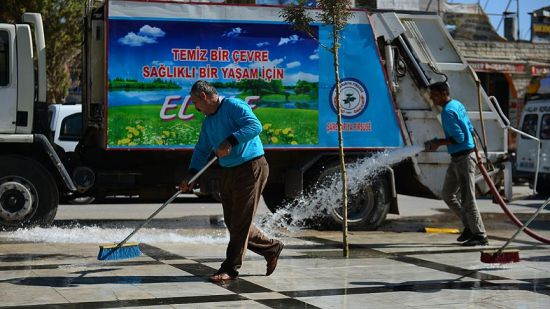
523,227
167,202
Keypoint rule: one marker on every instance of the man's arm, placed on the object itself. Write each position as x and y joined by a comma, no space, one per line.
435,143
248,123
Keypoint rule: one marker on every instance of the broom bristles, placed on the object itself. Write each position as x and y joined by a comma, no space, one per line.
115,252
504,257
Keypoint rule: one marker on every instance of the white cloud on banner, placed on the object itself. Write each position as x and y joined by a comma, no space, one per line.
159,62
135,40
315,55
293,64
292,79
146,35
151,31
291,39
235,32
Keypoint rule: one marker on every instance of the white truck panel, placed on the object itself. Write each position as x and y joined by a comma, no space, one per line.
8,93
438,43
16,138
40,43
122,8
409,98
25,79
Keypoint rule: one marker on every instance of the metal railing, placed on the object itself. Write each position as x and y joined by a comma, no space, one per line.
507,124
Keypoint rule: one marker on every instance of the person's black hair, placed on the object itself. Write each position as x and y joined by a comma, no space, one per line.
441,87
203,86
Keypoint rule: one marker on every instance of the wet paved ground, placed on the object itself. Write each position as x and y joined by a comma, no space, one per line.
397,267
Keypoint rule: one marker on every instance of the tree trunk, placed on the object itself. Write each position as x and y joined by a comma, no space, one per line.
345,245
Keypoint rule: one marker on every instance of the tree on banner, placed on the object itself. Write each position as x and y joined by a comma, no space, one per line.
334,13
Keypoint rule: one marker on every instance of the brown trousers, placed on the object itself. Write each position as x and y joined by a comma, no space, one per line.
242,188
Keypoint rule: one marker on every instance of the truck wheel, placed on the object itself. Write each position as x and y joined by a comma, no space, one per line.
367,208
28,194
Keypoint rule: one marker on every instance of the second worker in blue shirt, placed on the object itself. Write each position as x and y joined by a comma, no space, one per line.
459,187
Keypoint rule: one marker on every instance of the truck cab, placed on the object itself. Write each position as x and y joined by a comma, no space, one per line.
66,125
31,172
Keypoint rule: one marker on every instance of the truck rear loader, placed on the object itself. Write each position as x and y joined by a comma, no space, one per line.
139,126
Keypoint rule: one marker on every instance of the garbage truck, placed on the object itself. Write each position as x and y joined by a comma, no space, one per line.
139,125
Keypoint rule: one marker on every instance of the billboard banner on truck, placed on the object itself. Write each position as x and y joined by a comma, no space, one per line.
156,51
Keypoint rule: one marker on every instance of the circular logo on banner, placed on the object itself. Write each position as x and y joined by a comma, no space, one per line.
354,98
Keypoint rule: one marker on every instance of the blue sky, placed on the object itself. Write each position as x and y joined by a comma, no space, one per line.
498,6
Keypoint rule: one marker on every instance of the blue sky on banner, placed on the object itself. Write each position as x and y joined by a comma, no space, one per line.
153,40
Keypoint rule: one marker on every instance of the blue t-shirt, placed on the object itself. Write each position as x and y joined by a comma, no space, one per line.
233,117
457,125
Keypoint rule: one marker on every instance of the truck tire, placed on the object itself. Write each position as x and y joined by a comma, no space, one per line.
367,209
28,193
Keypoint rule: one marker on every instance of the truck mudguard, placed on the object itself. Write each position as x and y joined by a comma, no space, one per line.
156,51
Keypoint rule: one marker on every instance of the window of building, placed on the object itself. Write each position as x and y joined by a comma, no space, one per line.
545,127
530,125
71,128
4,58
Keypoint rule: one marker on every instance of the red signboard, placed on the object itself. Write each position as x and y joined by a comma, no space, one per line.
487,66
540,70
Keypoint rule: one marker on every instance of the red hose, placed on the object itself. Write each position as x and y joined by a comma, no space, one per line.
503,204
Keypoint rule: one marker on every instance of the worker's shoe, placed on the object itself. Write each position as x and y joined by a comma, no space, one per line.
272,260
466,234
476,241
221,276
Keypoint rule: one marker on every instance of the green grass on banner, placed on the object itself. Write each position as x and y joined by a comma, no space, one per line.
140,125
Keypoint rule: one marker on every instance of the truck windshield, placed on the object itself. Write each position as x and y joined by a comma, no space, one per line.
4,58
545,127
530,125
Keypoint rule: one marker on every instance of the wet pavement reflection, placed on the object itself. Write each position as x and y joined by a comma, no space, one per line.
386,269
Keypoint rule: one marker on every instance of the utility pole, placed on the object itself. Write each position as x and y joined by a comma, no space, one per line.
517,10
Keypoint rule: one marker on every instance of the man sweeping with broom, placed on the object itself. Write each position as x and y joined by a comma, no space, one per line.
231,130
459,186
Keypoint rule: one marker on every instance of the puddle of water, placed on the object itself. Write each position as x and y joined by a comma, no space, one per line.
493,266
98,235
325,196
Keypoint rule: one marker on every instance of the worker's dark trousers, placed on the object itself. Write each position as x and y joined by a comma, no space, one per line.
459,192
242,187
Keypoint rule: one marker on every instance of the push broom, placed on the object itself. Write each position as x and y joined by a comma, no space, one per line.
509,256
125,249
501,255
